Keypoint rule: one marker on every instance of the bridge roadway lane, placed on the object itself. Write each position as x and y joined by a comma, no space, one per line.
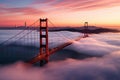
52,51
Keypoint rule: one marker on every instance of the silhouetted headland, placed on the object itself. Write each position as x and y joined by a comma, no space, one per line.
91,29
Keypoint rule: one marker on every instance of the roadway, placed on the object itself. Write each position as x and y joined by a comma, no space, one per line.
40,57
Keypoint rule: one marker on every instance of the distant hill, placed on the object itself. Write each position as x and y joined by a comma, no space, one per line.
92,29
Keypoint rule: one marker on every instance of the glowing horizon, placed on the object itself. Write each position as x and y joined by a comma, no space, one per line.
62,13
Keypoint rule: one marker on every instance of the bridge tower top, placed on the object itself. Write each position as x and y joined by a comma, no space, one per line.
86,29
86,24
25,24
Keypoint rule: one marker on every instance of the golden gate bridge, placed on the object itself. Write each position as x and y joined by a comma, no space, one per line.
42,33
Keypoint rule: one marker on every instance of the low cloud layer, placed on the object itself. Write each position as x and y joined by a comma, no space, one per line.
106,67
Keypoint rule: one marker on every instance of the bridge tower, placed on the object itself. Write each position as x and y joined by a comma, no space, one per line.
86,29
25,25
44,50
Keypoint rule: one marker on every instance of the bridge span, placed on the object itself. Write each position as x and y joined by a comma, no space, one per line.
40,57
44,52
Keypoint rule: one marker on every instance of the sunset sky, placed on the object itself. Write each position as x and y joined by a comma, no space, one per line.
105,13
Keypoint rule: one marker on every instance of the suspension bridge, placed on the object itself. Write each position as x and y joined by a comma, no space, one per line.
39,31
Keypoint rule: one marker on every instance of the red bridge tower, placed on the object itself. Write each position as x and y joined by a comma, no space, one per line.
86,29
44,40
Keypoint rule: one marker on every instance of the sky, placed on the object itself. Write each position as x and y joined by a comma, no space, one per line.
102,13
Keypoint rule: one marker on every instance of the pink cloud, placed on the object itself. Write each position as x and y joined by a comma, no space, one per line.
96,5
26,10
43,1
23,10
85,4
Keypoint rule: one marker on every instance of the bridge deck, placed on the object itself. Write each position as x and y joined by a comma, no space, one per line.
42,56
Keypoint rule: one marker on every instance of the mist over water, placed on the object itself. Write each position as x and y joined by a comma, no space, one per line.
94,58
